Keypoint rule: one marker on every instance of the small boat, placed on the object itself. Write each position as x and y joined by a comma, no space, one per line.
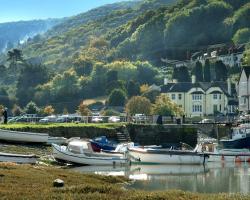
165,156
240,138
81,152
17,136
102,143
56,140
18,158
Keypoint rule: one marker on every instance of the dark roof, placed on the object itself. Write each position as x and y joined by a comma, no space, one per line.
186,86
180,87
247,70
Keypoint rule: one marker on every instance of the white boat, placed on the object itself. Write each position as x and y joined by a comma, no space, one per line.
56,140
165,156
17,136
18,158
81,152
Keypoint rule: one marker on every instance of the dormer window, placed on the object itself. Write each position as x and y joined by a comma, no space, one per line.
215,96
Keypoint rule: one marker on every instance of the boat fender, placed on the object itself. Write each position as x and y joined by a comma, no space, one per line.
222,158
113,163
248,160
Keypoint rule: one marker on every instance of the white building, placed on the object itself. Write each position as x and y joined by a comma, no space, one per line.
201,99
244,90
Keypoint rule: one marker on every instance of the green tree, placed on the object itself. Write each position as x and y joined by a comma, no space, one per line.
133,88
117,98
220,71
164,106
4,97
112,76
31,108
198,72
207,72
181,74
242,36
146,72
30,77
138,104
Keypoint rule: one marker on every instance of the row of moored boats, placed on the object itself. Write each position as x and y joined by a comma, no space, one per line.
100,151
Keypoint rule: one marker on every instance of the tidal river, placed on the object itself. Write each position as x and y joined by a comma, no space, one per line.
213,178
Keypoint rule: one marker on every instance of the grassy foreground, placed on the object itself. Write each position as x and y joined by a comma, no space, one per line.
36,182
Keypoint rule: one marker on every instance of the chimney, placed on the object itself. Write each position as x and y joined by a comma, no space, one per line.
193,79
165,81
229,87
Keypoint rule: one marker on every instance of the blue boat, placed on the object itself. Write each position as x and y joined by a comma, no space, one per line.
240,138
102,143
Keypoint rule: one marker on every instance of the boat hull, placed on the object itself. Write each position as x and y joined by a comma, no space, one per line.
17,136
230,155
61,153
239,143
166,157
18,158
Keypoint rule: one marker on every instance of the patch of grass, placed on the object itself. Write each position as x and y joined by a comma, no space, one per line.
40,150
36,182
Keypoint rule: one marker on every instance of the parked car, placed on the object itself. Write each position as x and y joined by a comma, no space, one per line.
97,119
51,118
139,118
206,121
114,119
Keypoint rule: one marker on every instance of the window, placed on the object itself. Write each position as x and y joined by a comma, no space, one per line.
173,96
179,96
196,96
215,96
219,96
197,108
220,107
215,108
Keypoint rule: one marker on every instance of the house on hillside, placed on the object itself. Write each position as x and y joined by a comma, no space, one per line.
230,56
201,99
244,90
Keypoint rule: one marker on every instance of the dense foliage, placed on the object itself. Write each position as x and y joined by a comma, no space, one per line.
120,46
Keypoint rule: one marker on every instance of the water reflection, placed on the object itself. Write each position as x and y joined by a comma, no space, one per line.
213,178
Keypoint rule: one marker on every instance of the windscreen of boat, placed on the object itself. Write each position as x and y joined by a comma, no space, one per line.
77,146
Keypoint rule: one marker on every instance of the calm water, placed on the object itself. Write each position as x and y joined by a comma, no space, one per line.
213,178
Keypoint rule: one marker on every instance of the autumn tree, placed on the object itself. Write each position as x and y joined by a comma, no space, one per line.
83,109
48,110
164,106
16,110
138,104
